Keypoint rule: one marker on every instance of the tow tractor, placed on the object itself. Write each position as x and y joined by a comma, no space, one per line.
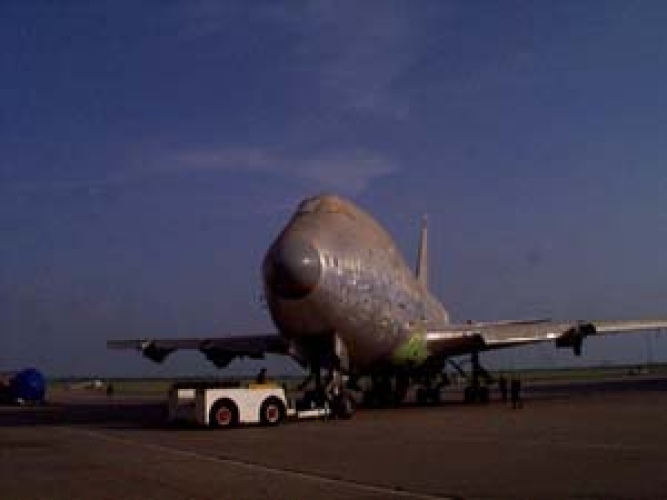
224,406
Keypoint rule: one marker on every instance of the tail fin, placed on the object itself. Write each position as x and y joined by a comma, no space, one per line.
422,257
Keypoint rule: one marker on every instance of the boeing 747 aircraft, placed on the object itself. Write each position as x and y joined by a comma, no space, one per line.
343,299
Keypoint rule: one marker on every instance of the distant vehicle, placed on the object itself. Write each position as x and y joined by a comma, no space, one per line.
26,386
92,384
221,407
344,300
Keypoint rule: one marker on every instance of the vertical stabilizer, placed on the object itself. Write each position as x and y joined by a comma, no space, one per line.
422,257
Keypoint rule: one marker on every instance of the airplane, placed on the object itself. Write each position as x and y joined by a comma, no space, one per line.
344,300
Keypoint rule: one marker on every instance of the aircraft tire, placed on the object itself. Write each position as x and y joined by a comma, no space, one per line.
434,395
344,406
483,394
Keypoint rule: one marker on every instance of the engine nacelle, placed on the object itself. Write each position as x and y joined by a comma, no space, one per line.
574,337
219,357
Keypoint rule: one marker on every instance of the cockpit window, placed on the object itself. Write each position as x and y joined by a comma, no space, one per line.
309,205
327,203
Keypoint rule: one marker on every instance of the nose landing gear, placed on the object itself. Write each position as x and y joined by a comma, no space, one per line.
332,393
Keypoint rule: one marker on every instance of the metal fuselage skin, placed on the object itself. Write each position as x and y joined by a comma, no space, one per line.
334,270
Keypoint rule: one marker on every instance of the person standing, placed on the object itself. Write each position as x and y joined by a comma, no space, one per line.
502,385
515,392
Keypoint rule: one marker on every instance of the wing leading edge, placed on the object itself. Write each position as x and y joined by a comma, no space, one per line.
219,350
464,338
449,341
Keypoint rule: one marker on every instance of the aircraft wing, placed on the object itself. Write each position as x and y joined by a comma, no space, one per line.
469,337
219,350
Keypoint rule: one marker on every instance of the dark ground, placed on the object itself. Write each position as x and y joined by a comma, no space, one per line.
585,440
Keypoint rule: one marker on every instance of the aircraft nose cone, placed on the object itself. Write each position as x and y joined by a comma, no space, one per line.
292,268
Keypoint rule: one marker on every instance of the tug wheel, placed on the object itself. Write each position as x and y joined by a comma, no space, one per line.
272,411
224,415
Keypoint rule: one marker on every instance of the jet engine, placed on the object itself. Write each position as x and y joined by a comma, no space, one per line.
574,337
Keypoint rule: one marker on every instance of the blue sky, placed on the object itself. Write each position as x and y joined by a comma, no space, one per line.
150,152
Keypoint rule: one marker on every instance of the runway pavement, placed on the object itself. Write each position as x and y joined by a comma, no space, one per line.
599,440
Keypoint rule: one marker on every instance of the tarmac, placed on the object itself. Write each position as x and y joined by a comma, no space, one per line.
600,440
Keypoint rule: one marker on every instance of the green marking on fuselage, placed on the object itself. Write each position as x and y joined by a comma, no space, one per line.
413,350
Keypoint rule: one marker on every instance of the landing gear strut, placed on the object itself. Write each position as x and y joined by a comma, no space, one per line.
387,389
313,397
476,392
342,404
340,400
429,392
330,391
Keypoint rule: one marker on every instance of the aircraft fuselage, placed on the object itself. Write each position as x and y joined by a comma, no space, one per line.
334,270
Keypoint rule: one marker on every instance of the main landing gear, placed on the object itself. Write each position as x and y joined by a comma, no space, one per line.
384,390
477,390
389,387
429,391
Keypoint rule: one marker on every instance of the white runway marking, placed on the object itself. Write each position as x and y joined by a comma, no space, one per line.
308,476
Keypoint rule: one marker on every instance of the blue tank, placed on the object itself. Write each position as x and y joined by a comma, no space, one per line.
28,385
